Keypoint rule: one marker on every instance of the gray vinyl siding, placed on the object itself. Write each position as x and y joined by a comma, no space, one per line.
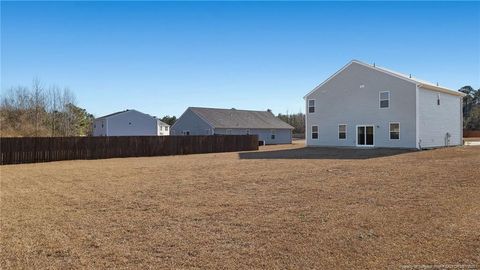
342,100
130,123
435,121
191,122
282,136
99,127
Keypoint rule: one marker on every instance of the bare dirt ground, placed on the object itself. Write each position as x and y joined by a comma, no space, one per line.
281,207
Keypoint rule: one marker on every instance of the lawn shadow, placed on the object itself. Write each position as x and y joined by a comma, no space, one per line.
324,153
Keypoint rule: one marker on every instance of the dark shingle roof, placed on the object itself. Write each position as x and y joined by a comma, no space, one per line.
233,118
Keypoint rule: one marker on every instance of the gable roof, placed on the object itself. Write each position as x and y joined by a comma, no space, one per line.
416,81
112,114
233,118
130,110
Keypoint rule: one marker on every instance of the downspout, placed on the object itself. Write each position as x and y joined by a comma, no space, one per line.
418,141
461,121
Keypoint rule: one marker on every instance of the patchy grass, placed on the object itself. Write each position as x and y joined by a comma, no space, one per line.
283,207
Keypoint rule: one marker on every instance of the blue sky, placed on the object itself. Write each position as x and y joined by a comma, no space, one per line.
161,57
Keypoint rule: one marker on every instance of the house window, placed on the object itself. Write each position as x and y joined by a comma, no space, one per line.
186,132
272,136
314,132
248,131
166,128
94,126
311,105
384,99
342,132
228,131
438,99
160,128
394,131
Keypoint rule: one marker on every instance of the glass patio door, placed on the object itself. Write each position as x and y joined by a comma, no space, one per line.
365,135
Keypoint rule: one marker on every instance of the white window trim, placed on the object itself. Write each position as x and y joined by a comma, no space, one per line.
338,134
311,132
314,106
380,99
390,131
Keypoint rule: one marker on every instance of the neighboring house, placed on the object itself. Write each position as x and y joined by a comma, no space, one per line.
209,121
129,123
367,106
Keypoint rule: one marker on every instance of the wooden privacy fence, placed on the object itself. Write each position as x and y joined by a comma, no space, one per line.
43,149
471,133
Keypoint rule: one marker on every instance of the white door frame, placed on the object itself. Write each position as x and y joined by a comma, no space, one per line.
365,135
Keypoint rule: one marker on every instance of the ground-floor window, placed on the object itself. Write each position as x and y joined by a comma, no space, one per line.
394,131
315,132
342,132
272,134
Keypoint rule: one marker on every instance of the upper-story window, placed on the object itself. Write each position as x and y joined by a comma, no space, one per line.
385,99
311,105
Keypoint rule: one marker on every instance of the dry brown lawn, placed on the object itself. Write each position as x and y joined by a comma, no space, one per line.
282,207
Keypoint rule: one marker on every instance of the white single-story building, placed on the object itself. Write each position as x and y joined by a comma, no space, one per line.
363,105
129,123
211,121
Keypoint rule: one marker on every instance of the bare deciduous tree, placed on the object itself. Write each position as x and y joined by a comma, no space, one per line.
37,112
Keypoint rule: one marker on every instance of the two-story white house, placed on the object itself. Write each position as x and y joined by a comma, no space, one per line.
129,123
367,106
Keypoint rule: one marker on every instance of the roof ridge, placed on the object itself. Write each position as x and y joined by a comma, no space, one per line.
231,109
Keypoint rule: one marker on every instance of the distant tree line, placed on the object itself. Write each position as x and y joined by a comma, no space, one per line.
41,112
296,120
471,108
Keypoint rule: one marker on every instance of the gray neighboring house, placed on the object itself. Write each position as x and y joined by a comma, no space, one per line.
367,106
210,121
129,123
